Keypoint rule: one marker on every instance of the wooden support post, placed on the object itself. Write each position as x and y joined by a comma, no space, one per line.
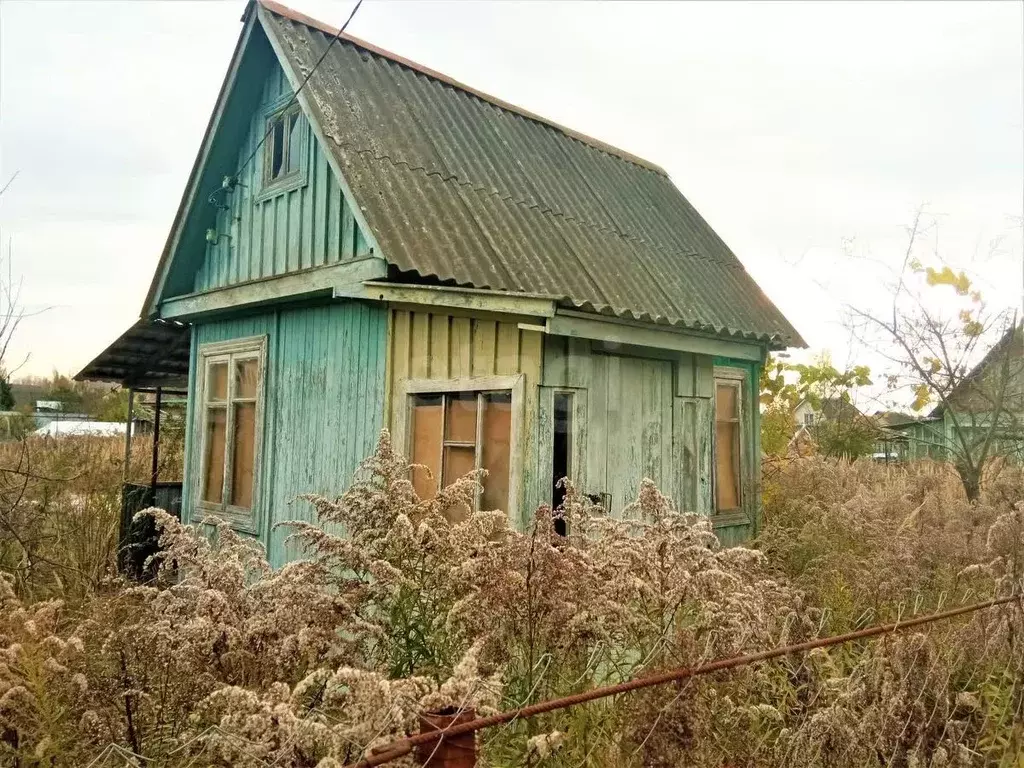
155,464
456,752
128,436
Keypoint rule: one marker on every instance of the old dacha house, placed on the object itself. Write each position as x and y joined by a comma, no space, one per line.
391,248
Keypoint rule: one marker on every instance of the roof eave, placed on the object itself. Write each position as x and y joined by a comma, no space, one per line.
151,305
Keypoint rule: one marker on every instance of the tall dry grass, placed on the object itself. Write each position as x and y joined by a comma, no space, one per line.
60,505
224,661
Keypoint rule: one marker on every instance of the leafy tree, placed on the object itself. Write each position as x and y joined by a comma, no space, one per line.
961,361
113,406
6,395
784,386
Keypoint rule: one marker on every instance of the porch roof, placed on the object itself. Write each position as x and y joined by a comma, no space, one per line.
150,354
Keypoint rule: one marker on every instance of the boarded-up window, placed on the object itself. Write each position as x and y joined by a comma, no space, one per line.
728,446
232,384
455,433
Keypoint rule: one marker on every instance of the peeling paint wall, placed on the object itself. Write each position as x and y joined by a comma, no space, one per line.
324,404
631,424
306,224
641,413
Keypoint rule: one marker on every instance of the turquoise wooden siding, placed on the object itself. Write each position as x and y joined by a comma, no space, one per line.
638,414
306,224
324,405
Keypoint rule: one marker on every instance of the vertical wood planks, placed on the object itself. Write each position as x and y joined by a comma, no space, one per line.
597,450
461,348
324,405
260,236
438,346
643,417
485,347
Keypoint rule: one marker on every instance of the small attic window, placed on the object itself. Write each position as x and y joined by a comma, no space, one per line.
283,146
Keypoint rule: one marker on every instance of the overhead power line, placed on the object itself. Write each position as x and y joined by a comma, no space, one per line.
295,96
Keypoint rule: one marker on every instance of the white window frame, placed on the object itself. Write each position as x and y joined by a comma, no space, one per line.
738,378
248,348
481,385
809,418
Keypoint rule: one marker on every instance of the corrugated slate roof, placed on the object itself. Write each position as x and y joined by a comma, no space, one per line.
460,187
152,353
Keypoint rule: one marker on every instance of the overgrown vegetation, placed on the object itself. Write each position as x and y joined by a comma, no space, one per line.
223,661
60,502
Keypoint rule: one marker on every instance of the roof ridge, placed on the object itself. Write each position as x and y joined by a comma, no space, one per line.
309,21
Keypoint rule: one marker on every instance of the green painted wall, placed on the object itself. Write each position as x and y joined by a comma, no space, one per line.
324,405
640,413
623,419
305,224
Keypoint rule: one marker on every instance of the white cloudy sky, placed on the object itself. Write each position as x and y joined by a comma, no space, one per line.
794,128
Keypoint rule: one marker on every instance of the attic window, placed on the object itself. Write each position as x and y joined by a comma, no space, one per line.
283,146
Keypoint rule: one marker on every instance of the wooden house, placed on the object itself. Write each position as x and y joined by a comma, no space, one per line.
983,416
390,248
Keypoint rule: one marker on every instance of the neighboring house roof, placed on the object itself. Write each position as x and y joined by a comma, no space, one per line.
461,188
1013,335
895,418
833,409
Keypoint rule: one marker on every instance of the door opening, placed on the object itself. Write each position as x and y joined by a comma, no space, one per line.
561,453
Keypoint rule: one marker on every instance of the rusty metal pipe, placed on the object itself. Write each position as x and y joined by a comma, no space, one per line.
403,747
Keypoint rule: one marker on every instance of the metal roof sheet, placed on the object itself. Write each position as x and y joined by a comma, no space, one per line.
461,187
152,353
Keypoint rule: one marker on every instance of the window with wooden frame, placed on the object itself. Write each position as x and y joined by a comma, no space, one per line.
283,146
231,384
728,442
463,427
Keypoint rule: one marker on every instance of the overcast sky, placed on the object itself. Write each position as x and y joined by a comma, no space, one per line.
801,131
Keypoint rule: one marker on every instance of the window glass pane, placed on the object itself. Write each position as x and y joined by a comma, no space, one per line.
458,461
246,379
244,454
461,419
726,401
426,444
276,148
294,142
727,460
497,430
216,432
217,382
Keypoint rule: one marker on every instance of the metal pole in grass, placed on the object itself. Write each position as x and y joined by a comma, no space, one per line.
402,747
155,463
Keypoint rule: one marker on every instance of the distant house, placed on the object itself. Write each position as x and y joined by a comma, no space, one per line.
988,404
832,409
392,248
980,401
